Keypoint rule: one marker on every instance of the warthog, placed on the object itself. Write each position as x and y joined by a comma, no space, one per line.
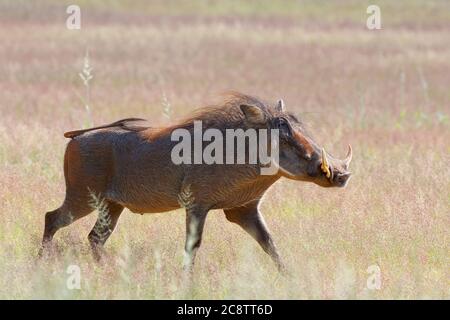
130,165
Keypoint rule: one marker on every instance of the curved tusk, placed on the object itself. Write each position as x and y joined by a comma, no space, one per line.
324,166
348,158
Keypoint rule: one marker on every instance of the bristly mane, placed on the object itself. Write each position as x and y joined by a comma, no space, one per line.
226,114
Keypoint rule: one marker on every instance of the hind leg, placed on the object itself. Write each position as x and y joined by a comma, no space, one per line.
62,217
104,226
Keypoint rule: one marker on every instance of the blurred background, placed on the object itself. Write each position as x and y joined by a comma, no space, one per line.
387,92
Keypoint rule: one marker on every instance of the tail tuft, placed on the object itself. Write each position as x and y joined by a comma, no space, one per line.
124,124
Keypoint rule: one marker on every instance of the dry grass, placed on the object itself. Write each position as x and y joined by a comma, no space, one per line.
386,92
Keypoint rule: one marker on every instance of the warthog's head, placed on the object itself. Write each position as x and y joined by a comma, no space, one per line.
300,158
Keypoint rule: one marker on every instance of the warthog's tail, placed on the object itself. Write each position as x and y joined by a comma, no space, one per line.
124,124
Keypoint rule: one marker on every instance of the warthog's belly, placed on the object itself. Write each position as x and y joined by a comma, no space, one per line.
145,202
149,209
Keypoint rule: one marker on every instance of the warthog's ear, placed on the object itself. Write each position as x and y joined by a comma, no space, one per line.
280,105
253,114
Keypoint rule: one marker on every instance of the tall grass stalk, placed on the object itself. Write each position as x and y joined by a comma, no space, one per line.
167,108
86,75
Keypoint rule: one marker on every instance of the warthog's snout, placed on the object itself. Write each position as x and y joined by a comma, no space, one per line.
341,179
336,170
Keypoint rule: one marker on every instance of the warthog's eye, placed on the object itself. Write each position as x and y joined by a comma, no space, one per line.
284,127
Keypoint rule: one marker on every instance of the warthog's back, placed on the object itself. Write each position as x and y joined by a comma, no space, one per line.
124,166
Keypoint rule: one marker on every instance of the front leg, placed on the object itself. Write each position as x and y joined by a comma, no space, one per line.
250,219
195,220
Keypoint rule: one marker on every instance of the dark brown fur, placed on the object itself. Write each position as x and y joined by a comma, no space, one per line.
130,166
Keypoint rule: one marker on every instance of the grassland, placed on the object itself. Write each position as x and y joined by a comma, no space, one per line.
387,92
